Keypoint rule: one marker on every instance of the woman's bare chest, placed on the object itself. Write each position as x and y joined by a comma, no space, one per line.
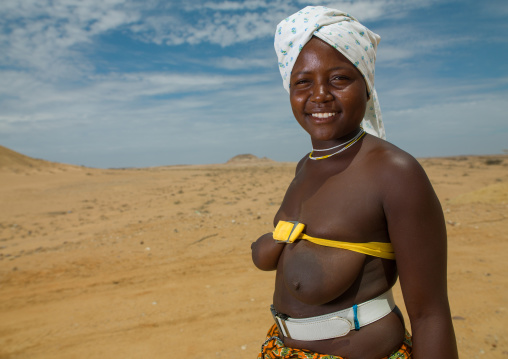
335,208
316,275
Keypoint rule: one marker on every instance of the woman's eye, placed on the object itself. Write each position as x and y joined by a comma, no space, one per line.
339,78
301,82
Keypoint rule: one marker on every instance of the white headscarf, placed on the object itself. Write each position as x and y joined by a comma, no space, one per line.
341,31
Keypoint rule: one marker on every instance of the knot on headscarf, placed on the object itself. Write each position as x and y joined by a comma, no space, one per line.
344,33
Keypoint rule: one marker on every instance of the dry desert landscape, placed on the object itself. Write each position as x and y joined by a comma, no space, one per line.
155,262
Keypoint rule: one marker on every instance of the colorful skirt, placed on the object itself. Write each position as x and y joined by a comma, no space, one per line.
273,348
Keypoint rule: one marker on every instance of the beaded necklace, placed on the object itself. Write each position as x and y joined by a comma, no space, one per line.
346,145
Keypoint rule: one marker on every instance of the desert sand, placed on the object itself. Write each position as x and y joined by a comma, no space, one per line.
155,262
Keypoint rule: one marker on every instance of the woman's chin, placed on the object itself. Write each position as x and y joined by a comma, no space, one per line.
323,136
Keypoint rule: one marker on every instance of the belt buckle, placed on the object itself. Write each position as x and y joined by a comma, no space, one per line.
276,314
280,319
295,223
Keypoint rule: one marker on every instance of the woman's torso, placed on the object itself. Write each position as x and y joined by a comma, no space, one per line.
343,203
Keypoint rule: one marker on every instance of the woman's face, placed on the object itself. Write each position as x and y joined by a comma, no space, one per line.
327,92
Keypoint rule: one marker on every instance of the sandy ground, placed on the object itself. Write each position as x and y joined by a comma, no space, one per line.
155,263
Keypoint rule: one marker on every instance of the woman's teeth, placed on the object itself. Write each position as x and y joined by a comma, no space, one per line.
323,115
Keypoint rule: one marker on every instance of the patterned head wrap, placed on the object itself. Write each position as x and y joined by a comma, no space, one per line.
344,33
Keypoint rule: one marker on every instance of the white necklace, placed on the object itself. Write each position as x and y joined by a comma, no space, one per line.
346,145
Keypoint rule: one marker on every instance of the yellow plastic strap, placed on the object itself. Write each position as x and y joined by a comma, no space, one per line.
288,231
375,249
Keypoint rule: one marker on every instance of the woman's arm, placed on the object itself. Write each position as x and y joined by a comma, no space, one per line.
418,233
266,252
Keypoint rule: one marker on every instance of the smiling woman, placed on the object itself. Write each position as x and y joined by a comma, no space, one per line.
328,94
354,218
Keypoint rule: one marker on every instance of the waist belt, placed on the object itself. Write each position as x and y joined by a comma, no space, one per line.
335,324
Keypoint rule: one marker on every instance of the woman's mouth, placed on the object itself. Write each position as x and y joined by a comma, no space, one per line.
321,117
323,114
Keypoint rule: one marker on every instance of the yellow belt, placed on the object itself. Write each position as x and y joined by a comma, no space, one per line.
290,231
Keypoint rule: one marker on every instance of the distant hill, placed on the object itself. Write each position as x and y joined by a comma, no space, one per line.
10,158
12,161
248,158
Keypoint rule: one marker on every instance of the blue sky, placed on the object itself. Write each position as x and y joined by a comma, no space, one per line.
132,83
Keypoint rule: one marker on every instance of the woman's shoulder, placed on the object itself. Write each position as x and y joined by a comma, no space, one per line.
390,162
388,154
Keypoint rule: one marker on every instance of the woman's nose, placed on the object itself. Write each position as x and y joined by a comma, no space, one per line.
321,93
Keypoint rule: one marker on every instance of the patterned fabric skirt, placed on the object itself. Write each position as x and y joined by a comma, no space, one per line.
273,348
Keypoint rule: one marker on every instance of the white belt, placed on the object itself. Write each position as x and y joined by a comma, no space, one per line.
335,324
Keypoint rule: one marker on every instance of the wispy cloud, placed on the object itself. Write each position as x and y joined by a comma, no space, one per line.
43,35
458,125
233,5
237,63
25,94
209,27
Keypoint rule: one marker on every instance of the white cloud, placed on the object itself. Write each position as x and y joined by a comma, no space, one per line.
413,91
42,35
237,63
456,127
214,28
28,99
233,5
436,116
366,10
396,47
393,55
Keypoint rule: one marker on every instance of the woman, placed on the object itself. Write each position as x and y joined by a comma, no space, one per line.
359,213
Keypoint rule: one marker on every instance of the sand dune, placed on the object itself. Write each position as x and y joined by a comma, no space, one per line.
155,263
14,162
